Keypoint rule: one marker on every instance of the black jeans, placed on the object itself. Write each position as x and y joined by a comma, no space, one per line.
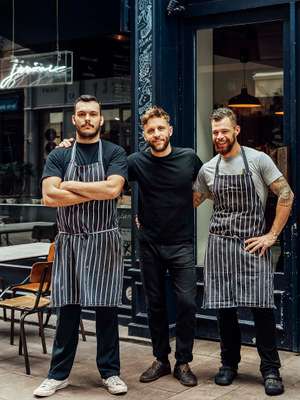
66,340
230,336
178,259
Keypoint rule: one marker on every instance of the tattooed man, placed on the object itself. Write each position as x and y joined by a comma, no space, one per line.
238,267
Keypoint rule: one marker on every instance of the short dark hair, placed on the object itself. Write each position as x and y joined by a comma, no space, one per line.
86,98
222,112
154,112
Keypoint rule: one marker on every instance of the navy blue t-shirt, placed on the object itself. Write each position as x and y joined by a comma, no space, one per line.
113,156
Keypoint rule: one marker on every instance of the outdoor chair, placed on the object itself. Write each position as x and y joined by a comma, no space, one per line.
36,301
37,287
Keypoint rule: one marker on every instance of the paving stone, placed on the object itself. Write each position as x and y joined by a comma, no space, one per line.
135,358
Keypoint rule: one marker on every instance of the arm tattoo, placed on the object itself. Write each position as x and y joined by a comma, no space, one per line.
282,189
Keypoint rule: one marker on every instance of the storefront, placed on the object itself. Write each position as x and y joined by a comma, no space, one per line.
40,39
193,56
187,56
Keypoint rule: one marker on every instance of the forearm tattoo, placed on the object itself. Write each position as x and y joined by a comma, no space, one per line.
282,189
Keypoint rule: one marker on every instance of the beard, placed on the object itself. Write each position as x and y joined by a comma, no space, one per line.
159,146
85,134
226,147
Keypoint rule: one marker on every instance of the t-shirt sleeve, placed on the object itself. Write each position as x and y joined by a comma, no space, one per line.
268,169
118,163
200,184
131,169
197,165
54,165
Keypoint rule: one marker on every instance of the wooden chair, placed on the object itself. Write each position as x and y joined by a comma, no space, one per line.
36,301
30,286
37,286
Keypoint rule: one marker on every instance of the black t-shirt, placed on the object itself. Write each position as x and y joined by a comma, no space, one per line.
165,194
113,156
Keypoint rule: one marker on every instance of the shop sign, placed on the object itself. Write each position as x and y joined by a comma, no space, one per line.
9,104
54,68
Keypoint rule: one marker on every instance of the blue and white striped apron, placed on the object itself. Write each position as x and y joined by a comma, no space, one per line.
232,276
88,264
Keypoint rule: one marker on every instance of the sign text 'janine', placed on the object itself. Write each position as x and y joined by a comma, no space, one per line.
37,70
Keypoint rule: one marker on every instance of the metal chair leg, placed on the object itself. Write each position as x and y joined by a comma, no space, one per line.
82,331
3,290
20,341
23,338
41,331
12,326
4,315
49,313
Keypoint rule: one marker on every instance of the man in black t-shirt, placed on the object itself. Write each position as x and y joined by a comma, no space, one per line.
84,182
165,176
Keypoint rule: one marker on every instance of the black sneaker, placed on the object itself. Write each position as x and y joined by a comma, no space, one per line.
157,370
183,373
273,383
225,376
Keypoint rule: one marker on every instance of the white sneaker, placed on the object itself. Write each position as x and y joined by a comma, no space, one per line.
115,385
49,387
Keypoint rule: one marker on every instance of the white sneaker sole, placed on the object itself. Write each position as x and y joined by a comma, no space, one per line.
44,393
116,391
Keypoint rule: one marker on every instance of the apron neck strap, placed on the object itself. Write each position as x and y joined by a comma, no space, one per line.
244,159
73,154
100,151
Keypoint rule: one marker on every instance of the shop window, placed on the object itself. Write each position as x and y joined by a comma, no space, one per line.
242,67
117,126
14,172
51,128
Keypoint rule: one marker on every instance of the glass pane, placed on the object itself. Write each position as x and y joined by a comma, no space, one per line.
51,129
242,67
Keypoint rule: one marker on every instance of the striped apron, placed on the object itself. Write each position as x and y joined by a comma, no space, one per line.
88,264
232,276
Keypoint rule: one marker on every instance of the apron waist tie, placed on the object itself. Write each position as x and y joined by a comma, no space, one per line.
235,236
87,233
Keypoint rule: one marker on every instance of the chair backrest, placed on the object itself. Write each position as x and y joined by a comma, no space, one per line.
41,273
51,252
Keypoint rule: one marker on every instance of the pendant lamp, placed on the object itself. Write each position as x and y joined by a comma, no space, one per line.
244,99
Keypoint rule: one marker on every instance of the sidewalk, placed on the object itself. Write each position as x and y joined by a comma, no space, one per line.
135,358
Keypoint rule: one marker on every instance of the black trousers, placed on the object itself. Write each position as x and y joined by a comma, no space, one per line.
178,259
230,336
66,340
